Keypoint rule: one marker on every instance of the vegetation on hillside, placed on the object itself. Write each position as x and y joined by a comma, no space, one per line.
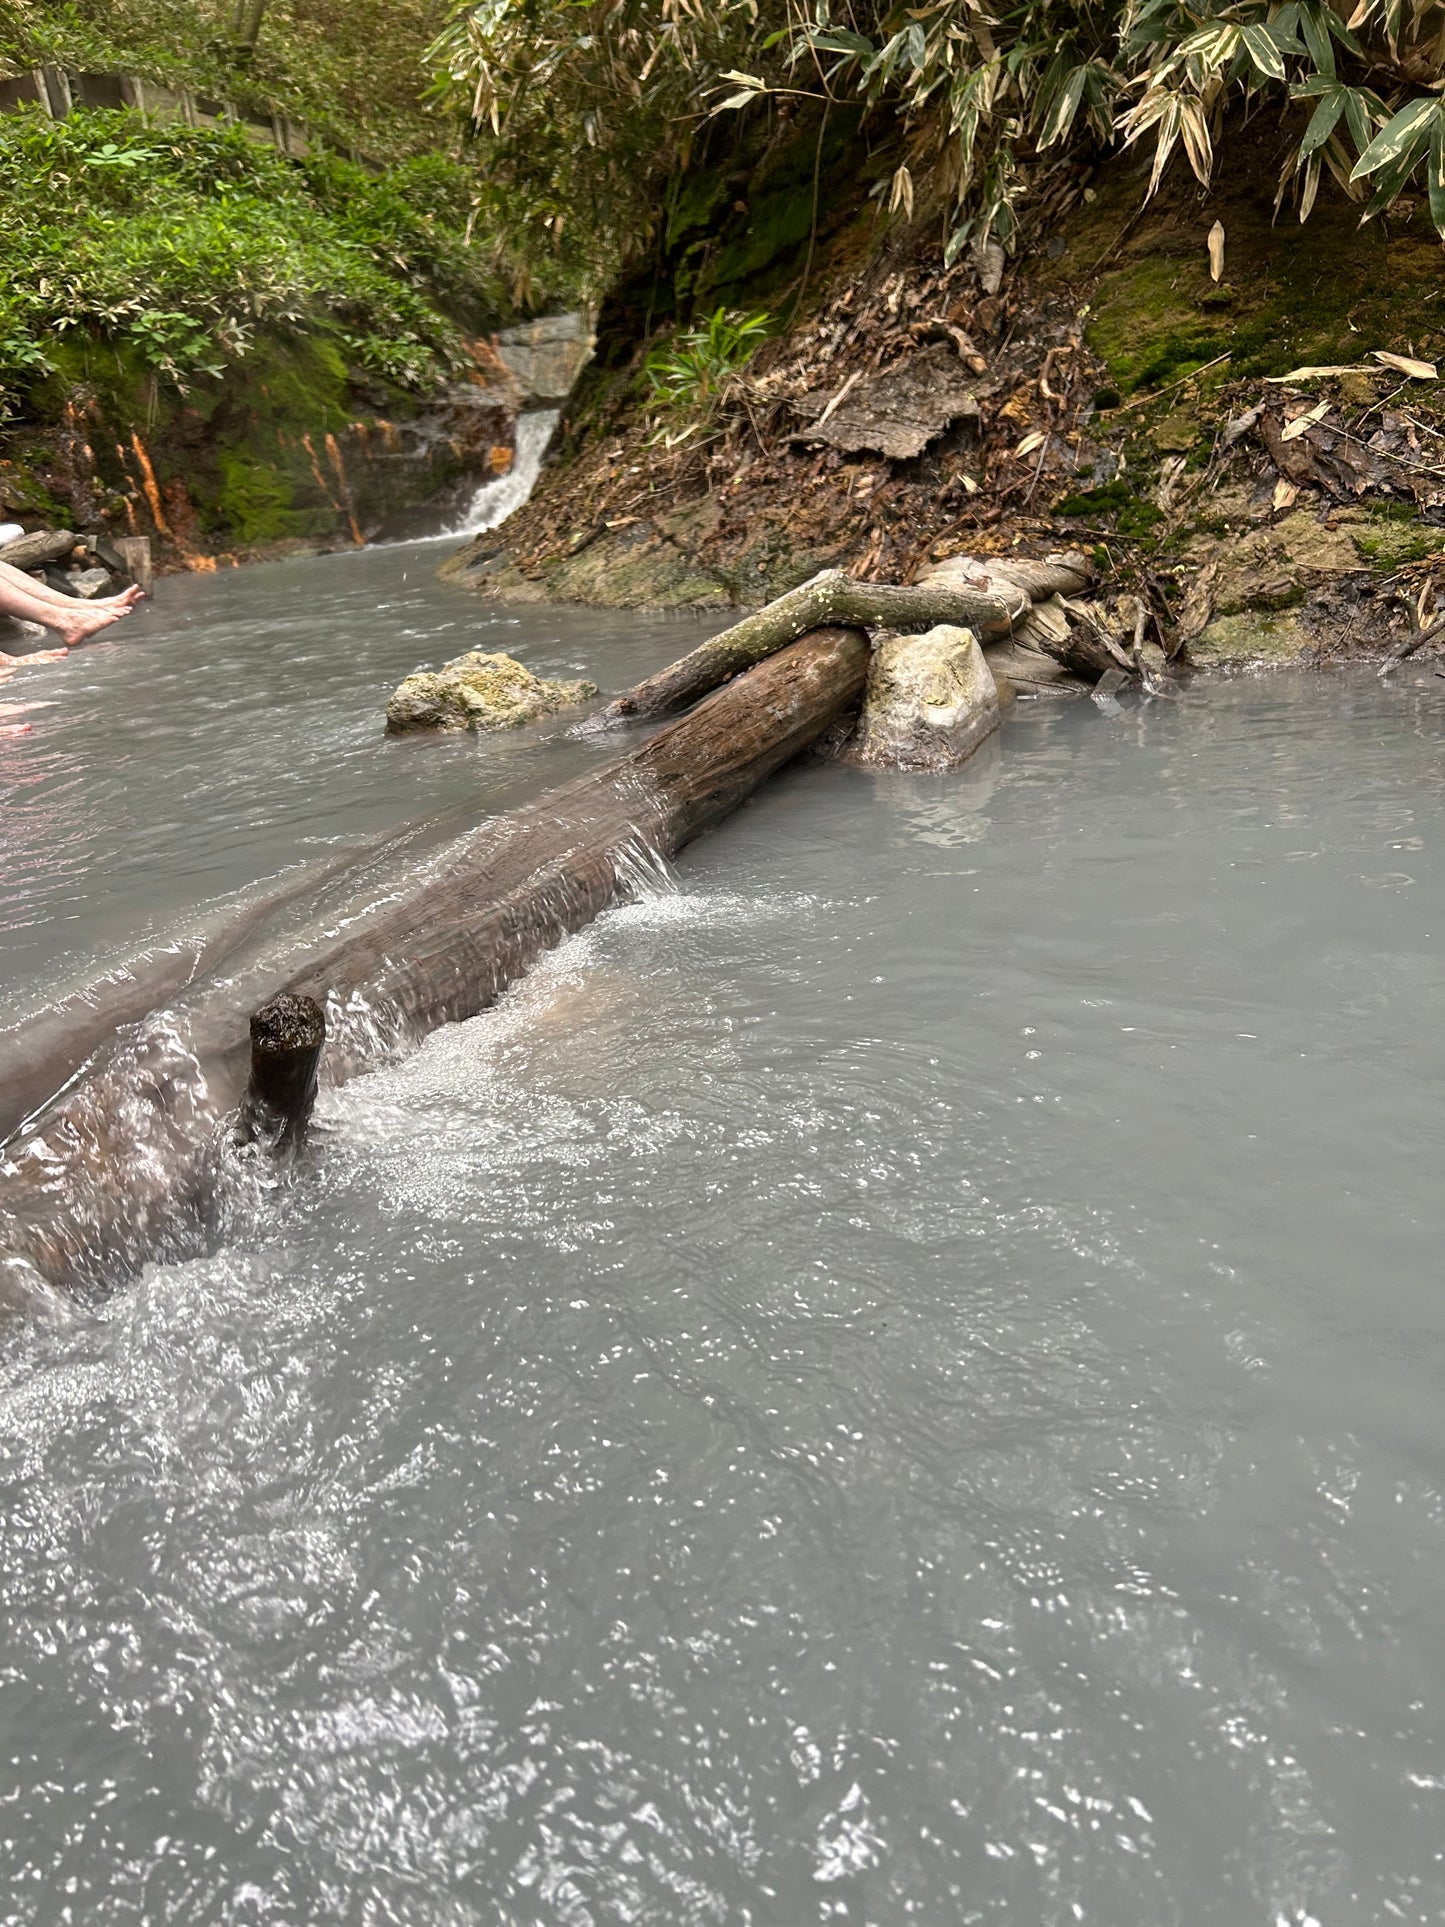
353,70
591,113
178,247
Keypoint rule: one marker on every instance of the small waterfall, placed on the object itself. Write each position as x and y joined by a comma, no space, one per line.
643,872
494,501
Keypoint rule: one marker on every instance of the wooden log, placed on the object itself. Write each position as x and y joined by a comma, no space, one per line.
286,1038
831,597
128,1163
38,1056
35,550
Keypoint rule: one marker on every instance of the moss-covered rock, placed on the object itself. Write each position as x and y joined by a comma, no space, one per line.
1250,637
478,691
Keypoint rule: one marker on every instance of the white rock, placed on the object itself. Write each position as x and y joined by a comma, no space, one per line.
930,701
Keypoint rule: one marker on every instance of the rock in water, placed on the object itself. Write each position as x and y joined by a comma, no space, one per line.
931,700
478,691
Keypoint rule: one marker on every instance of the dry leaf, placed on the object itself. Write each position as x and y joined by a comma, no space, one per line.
1406,365
1297,427
1216,251
1030,443
1285,494
1327,368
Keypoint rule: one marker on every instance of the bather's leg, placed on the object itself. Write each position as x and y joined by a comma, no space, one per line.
13,578
73,621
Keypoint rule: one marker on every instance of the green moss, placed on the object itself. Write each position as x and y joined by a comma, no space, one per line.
1248,638
1394,537
1096,501
1133,517
1155,320
256,502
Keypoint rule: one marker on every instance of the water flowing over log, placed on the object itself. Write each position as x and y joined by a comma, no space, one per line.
133,1162
38,1055
829,598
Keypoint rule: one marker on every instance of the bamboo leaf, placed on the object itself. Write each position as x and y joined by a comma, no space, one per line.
1405,365
1262,52
1322,122
1404,133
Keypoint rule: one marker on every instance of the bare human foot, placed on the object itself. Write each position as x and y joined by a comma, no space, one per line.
80,623
11,663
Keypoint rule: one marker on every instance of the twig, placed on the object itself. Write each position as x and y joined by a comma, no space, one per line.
1142,401
1411,644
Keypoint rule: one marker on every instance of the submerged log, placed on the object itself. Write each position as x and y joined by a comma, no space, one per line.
39,1055
128,1164
829,598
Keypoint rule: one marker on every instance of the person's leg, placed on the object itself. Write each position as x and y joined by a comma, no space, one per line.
73,621
16,579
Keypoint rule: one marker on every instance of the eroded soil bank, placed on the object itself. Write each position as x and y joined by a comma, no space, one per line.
1103,391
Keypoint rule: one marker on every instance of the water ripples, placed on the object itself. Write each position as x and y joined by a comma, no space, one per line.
852,1395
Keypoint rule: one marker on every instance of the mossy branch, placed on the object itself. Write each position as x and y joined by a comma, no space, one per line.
829,598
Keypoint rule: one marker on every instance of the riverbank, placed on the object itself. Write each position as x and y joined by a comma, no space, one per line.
1249,447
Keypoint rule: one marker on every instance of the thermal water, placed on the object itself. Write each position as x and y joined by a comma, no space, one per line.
893,1378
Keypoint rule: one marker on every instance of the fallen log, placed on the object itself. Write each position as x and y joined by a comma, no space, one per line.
39,1055
1066,574
35,550
133,1161
831,597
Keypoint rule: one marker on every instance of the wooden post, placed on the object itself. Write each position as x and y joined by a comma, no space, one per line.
135,553
286,1039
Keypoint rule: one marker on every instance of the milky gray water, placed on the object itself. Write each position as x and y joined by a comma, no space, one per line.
896,1379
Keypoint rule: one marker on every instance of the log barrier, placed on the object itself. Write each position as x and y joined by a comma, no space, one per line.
126,1165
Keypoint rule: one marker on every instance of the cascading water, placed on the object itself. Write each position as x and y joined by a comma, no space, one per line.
494,501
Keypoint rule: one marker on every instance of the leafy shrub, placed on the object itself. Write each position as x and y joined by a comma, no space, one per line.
589,108
691,372
694,372
181,244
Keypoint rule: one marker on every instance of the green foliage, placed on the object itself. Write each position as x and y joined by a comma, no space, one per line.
180,245
353,70
692,370
584,110
691,375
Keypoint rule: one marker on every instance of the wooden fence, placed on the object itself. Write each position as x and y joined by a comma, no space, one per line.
57,90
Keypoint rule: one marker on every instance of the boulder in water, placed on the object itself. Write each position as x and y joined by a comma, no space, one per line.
931,700
478,691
